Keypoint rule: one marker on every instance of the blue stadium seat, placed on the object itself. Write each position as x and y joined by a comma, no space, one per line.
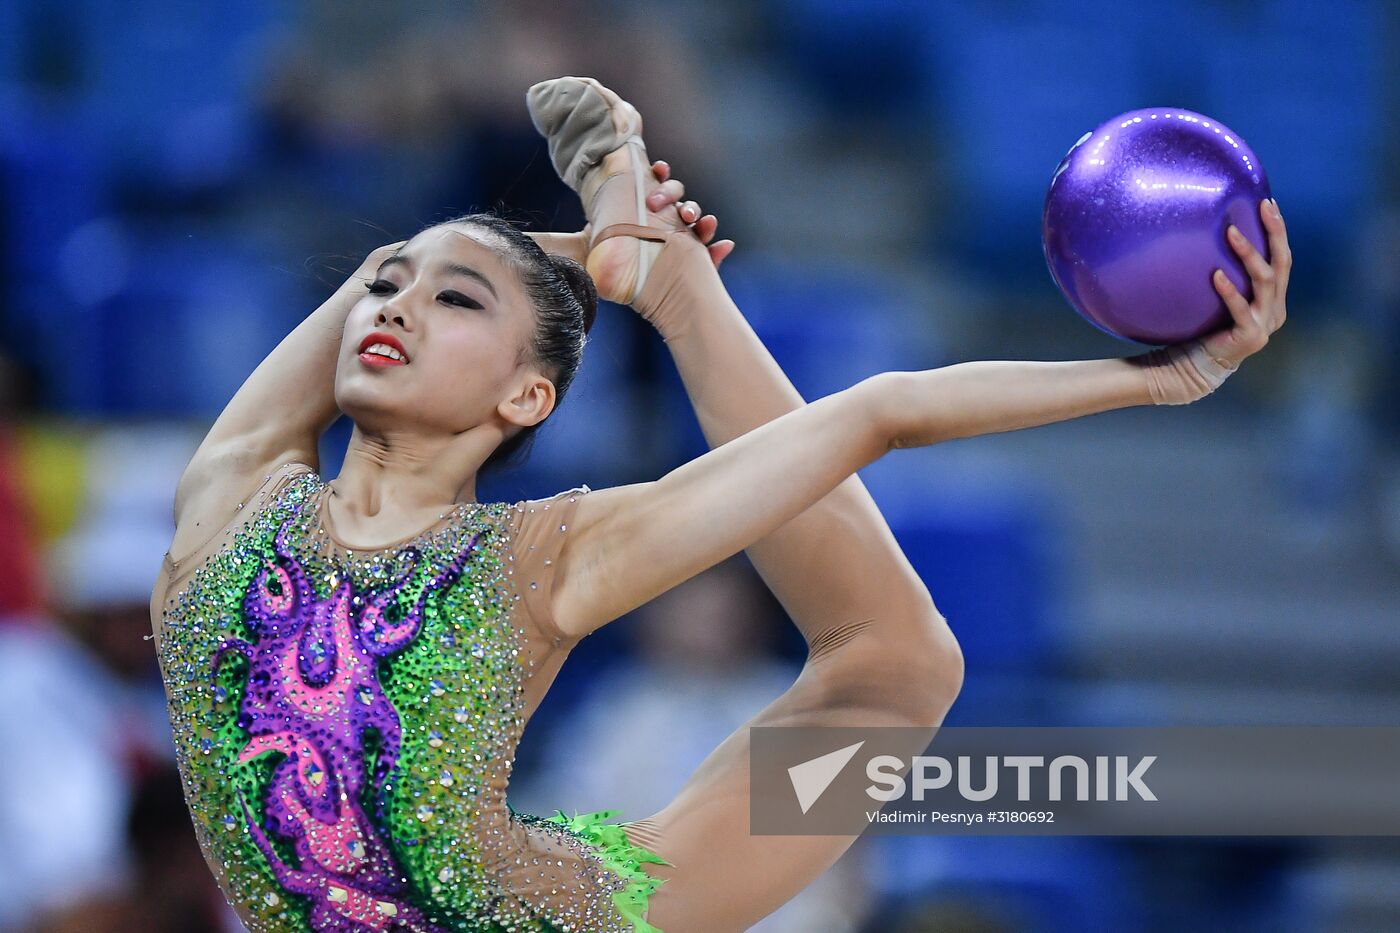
1013,90
53,182
220,300
859,58
168,82
1298,70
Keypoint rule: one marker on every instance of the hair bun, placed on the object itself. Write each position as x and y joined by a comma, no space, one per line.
581,284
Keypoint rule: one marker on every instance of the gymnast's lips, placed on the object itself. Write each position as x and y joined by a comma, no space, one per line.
381,349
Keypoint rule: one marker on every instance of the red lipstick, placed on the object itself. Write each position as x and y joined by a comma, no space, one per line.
380,357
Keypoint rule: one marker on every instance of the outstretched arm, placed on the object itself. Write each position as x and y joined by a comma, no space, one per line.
631,543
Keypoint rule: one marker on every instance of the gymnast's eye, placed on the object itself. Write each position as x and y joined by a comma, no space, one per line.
378,286
457,298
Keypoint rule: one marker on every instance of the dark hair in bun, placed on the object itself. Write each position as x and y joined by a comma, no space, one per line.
566,303
581,284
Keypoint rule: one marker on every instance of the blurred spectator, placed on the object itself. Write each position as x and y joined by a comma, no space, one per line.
63,788
84,704
171,889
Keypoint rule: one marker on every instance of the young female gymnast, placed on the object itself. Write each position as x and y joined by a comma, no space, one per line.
350,664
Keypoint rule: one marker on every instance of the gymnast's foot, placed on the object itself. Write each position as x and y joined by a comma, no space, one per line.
596,146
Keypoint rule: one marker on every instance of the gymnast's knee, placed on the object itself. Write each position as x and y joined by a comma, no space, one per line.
907,661
932,668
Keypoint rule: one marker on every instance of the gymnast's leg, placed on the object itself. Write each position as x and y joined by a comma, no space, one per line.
879,652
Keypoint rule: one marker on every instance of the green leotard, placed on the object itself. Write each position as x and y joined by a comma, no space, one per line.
346,721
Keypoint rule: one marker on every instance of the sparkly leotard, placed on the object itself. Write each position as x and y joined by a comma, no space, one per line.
345,723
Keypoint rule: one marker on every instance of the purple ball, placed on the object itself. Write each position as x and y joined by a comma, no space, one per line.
1135,220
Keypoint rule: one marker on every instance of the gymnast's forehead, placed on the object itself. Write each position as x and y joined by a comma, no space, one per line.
467,251
456,238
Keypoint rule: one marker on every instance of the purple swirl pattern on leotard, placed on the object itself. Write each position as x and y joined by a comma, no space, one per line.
313,696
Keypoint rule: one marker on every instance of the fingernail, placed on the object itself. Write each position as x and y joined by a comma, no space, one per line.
1234,232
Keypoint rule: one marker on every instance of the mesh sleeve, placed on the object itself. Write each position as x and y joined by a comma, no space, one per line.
540,530
176,570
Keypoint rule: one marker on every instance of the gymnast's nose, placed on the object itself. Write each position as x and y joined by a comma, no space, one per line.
395,311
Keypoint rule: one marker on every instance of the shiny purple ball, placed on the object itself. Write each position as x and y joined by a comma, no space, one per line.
1135,219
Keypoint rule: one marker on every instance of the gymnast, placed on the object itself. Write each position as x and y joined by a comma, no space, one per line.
350,663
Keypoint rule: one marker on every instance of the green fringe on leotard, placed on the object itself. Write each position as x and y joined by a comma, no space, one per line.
620,855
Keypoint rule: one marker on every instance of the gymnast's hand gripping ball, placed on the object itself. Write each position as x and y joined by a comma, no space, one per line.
1135,219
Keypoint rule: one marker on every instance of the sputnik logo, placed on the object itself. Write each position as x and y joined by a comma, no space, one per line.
811,778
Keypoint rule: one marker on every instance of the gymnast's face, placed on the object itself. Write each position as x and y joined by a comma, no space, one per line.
439,343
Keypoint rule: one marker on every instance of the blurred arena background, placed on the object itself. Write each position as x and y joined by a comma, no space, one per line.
183,182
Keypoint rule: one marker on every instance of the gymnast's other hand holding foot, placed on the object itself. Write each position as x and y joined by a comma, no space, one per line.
634,209
669,192
1183,373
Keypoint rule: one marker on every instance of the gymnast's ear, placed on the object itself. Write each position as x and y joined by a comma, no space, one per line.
532,401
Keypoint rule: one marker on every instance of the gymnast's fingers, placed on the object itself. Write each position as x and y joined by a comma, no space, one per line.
1250,333
719,251
670,192
1280,253
1259,270
661,170
1234,301
705,227
384,252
